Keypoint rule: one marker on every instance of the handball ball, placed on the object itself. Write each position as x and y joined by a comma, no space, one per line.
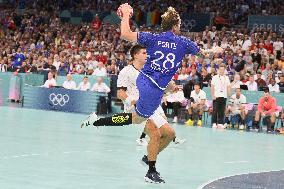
119,12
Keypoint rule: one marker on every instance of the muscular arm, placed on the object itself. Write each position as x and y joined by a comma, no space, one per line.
126,32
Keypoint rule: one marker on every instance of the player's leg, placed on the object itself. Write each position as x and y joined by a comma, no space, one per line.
161,134
167,136
115,120
160,111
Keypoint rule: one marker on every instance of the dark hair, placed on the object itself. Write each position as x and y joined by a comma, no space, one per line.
135,49
266,90
170,19
86,77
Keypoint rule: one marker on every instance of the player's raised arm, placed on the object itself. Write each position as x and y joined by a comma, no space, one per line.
126,11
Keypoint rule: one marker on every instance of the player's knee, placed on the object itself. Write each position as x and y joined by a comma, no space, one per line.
152,131
172,134
169,132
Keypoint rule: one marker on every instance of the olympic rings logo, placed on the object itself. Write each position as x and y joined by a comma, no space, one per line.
58,99
188,24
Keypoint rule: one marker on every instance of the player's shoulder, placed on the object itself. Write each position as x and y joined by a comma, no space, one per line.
147,34
129,69
125,69
185,40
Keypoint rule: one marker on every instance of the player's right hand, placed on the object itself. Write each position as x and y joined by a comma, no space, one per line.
126,10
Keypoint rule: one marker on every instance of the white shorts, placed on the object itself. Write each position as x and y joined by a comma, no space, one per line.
159,118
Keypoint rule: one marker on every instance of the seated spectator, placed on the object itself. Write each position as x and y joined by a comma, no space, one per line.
205,78
250,66
69,83
236,109
100,71
3,66
267,72
194,75
84,85
100,86
259,80
183,75
174,101
197,105
252,85
50,82
24,68
273,86
236,83
267,110
245,78
278,76
281,84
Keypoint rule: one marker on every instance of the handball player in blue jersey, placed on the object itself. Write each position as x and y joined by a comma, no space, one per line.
166,51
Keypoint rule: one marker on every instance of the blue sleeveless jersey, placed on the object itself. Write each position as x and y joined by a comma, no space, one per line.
165,54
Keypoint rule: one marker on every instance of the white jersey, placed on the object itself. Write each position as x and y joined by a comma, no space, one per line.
198,97
127,80
236,103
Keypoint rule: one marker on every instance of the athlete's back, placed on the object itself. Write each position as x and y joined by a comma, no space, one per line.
165,53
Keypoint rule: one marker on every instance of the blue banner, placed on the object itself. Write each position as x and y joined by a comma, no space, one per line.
60,99
274,23
194,22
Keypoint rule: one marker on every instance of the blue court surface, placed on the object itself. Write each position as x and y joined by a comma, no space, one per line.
49,150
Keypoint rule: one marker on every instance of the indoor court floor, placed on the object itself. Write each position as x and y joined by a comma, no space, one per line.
49,150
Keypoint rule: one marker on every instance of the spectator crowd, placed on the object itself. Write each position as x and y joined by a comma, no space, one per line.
38,41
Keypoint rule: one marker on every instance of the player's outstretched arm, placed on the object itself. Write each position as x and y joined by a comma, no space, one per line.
126,32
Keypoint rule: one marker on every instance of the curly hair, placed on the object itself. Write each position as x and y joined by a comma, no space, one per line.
170,19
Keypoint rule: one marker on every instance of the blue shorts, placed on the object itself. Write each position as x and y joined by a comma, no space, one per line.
150,96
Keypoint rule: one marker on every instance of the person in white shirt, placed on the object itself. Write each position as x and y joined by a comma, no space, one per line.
197,105
247,43
183,75
173,100
236,108
56,61
220,89
278,46
84,85
100,86
213,32
50,82
69,83
252,85
273,86
236,83
3,67
100,71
